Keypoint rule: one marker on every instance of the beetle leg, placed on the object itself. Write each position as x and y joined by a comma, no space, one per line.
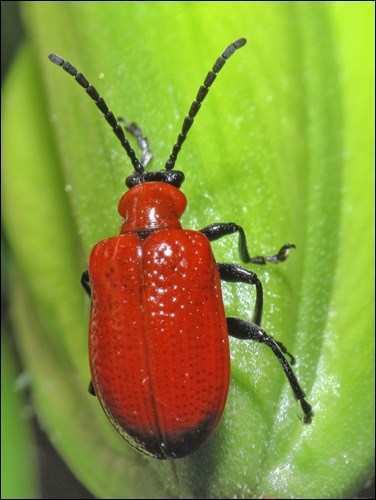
237,274
91,389
245,330
142,141
85,282
215,231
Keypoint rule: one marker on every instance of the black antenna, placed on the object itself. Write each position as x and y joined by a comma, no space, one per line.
203,90
102,106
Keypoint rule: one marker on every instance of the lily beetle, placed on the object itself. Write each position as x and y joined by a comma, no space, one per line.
158,334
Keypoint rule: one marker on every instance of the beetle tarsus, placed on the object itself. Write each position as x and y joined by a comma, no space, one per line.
142,141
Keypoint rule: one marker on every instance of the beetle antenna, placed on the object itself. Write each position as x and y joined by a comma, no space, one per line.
102,106
202,92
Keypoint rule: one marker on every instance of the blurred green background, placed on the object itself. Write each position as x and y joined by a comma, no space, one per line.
30,466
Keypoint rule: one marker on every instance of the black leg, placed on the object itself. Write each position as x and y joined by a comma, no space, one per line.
237,274
85,282
142,141
91,389
244,330
215,231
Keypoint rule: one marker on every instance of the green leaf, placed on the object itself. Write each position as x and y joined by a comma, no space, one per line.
17,464
283,146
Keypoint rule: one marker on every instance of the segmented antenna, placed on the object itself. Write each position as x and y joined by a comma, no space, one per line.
203,90
102,106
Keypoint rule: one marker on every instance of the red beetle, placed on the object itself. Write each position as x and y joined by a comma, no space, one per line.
158,334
